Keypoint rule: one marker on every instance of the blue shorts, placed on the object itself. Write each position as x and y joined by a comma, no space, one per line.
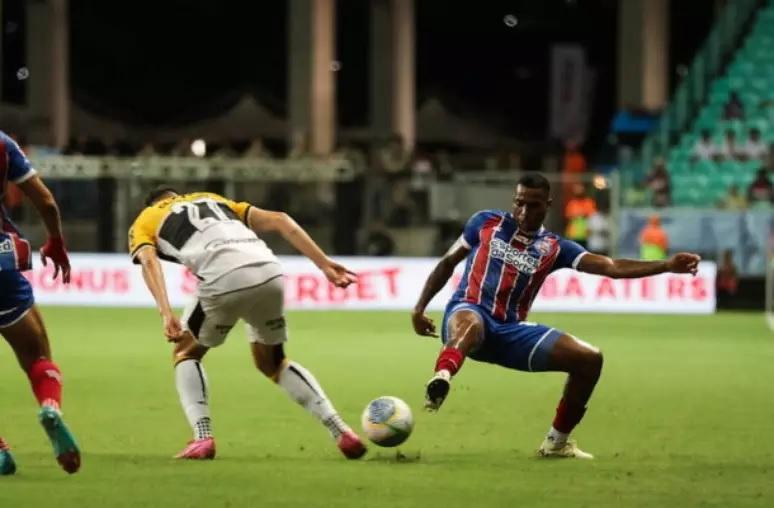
516,345
15,297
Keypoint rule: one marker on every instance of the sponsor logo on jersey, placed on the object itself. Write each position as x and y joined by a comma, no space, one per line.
521,260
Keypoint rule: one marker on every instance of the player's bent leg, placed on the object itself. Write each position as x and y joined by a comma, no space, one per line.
583,363
303,388
464,332
193,391
7,464
27,336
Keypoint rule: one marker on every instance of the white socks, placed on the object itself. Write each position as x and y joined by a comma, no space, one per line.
302,387
557,437
299,383
191,383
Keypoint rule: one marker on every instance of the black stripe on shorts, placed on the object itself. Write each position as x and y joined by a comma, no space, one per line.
196,320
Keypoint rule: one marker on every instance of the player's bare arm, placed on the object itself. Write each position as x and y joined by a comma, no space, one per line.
44,202
262,221
154,279
438,278
683,262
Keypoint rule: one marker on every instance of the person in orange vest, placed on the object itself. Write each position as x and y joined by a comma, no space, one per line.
654,243
577,212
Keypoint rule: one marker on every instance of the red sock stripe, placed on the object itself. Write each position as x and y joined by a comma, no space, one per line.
46,380
450,359
568,415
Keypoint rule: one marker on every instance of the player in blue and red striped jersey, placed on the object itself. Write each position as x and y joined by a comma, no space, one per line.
20,322
509,256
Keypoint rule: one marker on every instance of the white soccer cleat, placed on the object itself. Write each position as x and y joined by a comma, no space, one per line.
567,450
437,390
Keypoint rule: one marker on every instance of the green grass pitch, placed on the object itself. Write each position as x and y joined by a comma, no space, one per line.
683,416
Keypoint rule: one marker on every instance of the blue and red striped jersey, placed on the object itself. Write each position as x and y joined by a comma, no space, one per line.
505,268
14,167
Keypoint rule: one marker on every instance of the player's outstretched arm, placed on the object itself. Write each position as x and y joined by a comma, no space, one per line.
438,278
44,202
262,221
683,262
154,279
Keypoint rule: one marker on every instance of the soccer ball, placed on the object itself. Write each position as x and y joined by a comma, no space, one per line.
387,421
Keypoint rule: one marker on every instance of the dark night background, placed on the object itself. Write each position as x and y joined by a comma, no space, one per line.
172,61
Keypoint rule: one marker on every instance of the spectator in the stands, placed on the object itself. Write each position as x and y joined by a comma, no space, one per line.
573,161
705,148
599,233
636,195
182,148
654,242
223,150
76,146
123,148
734,200
755,148
422,175
148,150
577,212
299,145
391,157
573,164
256,150
378,241
444,164
761,191
734,108
728,149
728,278
659,185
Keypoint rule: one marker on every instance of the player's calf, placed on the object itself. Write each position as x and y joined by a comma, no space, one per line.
465,334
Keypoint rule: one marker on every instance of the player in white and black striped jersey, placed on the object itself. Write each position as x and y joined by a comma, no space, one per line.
240,278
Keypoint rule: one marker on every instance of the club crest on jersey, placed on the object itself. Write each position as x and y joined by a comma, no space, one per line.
521,260
543,247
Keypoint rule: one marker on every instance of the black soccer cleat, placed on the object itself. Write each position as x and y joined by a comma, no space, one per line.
437,390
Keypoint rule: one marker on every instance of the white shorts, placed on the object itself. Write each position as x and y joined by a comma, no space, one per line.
261,306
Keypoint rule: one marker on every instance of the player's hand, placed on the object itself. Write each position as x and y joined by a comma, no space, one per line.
423,325
684,262
172,328
54,249
337,274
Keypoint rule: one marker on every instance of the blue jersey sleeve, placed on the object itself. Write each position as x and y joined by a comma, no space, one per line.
570,254
19,167
470,235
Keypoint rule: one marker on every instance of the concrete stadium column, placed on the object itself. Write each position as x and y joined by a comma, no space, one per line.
60,73
48,62
643,58
312,87
393,72
38,62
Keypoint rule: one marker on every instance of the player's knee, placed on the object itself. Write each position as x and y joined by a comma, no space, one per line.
467,329
188,350
268,360
593,361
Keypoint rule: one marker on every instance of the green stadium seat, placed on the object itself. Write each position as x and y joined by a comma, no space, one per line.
750,166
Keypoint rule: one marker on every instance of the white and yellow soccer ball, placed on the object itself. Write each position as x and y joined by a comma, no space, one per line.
387,421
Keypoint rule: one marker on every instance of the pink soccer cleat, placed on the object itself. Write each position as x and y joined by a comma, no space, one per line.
198,449
351,445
